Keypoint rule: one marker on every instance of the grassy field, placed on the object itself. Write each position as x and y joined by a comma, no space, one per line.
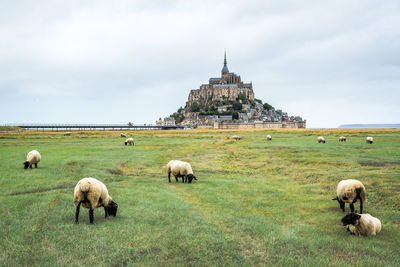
254,203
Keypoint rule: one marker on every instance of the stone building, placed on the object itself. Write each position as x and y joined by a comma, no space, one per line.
228,87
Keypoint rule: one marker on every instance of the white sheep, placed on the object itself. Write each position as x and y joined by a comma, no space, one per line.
180,169
129,141
67,133
370,140
348,191
92,193
33,157
321,139
235,137
342,139
123,135
269,137
361,224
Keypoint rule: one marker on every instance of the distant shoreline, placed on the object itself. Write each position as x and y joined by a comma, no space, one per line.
372,126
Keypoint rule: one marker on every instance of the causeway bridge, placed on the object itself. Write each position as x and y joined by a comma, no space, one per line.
70,127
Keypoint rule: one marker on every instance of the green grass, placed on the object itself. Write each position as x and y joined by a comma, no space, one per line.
255,202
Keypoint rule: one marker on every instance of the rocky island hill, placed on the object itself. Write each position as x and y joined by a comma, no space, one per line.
227,102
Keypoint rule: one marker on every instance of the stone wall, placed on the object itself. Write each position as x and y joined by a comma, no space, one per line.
208,93
259,125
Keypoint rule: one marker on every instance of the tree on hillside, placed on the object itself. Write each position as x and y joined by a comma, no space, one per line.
243,98
235,116
195,107
237,105
268,106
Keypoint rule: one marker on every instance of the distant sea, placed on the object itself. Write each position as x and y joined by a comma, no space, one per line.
382,125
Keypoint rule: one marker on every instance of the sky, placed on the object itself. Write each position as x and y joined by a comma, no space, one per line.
330,62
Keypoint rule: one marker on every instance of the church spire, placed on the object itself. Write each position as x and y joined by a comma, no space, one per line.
225,68
225,58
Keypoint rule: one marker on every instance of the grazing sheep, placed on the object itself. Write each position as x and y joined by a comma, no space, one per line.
33,157
269,138
123,135
342,139
92,193
321,139
370,140
235,137
180,169
67,133
348,191
361,224
129,141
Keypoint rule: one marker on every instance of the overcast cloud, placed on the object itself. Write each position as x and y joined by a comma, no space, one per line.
330,62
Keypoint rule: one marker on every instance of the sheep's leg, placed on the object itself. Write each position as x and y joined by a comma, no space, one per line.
351,207
183,178
91,216
105,212
361,206
35,165
176,178
77,212
169,176
341,203
30,166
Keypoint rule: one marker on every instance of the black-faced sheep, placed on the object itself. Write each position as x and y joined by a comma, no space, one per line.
321,139
92,193
269,137
361,224
235,137
348,191
180,169
33,157
342,139
129,141
122,135
369,140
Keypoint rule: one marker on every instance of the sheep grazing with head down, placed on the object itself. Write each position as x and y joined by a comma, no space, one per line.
369,140
129,141
361,224
122,135
235,137
349,191
269,137
321,139
180,169
91,193
342,139
33,157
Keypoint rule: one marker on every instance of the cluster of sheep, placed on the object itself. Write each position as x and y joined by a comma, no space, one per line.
321,139
235,137
91,193
349,191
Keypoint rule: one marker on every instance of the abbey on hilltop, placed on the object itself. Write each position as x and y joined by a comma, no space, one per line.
227,102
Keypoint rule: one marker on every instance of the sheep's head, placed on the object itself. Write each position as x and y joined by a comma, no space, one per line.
26,164
350,218
126,143
191,177
112,208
